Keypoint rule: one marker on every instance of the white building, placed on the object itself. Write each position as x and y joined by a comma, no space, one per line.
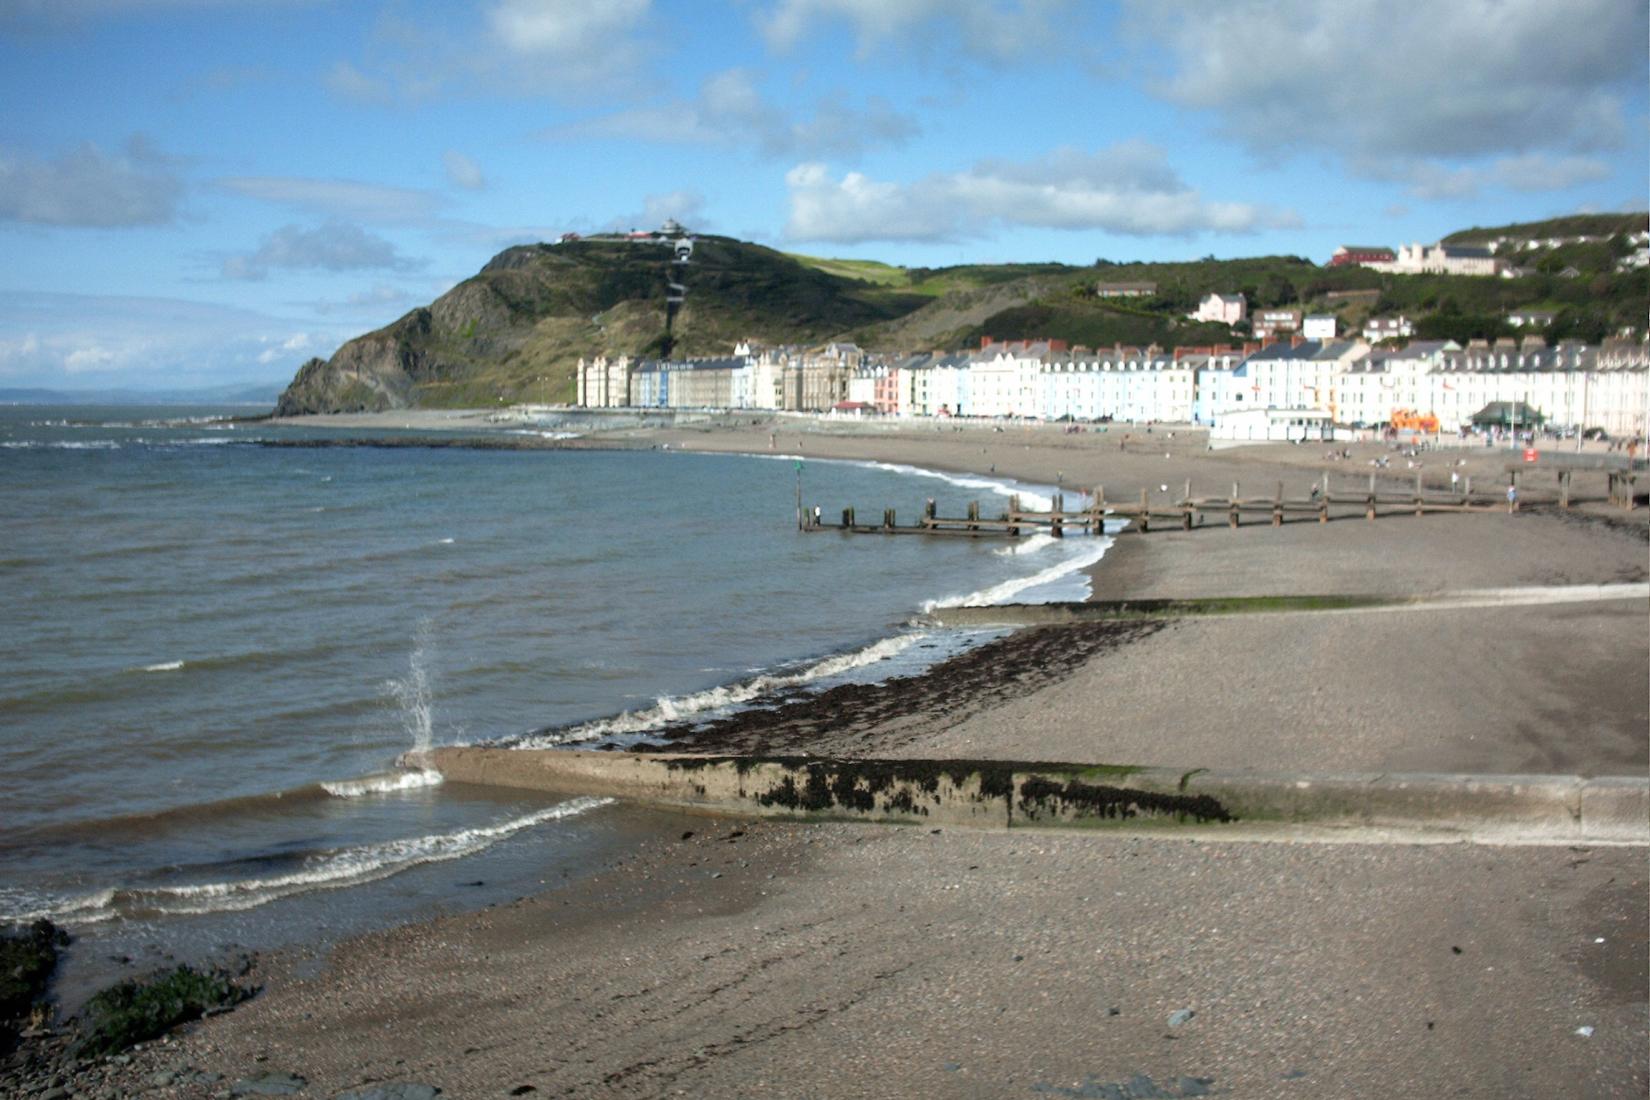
1372,387
1319,326
1442,259
1379,329
1272,426
1227,309
1296,374
1120,383
1572,385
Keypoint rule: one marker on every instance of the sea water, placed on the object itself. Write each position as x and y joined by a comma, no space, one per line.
214,650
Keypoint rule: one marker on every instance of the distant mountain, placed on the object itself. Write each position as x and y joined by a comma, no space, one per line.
264,394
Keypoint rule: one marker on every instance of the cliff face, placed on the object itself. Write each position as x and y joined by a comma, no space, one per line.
369,374
517,328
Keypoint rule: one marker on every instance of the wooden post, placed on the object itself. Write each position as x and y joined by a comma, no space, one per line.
1369,501
973,515
1417,493
1277,507
1323,500
1564,488
847,518
1145,514
1232,507
1186,516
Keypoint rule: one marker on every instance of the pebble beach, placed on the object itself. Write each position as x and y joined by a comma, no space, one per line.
734,957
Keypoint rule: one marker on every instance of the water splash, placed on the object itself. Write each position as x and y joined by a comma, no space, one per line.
412,692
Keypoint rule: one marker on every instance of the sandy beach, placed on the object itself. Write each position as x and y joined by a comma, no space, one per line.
795,959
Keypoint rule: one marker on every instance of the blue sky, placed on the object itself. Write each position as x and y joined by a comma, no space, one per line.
209,191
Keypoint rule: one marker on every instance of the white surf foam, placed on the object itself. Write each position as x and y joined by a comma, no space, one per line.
704,704
387,783
1033,498
323,871
1092,551
164,666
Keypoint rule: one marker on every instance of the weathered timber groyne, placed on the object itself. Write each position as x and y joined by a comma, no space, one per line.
1327,500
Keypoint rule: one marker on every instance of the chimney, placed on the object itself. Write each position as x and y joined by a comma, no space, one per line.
1296,339
1056,345
985,342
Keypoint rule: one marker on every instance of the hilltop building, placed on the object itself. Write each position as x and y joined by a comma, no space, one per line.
1125,290
1227,309
1351,255
1442,259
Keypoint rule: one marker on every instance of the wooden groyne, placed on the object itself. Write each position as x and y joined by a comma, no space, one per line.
1190,510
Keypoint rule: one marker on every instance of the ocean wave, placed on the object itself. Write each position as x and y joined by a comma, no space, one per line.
1092,551
163,666
322,870
387,783
540,433
62,444
706,704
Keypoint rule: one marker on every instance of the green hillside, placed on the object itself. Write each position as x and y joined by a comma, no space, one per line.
516,329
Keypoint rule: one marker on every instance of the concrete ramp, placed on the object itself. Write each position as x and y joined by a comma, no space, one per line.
1013,794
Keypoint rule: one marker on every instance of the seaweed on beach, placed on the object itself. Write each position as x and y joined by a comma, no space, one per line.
134,1011
28,956
854,719
1039,794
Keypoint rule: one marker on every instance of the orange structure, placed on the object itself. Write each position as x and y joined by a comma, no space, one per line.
1410,420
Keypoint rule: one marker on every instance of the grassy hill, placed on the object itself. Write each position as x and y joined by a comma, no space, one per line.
516,329
1574,225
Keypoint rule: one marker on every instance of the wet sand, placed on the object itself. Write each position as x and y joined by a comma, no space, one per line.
779,959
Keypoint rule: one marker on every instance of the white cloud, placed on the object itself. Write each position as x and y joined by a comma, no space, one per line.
569,31
462,171
731,112
1402,82
564,48
285,349
55,14
997,29
1129,189
1530,172
369,202
683,206
87,187
348,82
89,340
334,246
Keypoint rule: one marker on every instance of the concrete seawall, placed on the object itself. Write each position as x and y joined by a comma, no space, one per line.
1008,794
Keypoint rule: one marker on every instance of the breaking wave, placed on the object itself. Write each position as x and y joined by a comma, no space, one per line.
316,870
383,784
718,700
